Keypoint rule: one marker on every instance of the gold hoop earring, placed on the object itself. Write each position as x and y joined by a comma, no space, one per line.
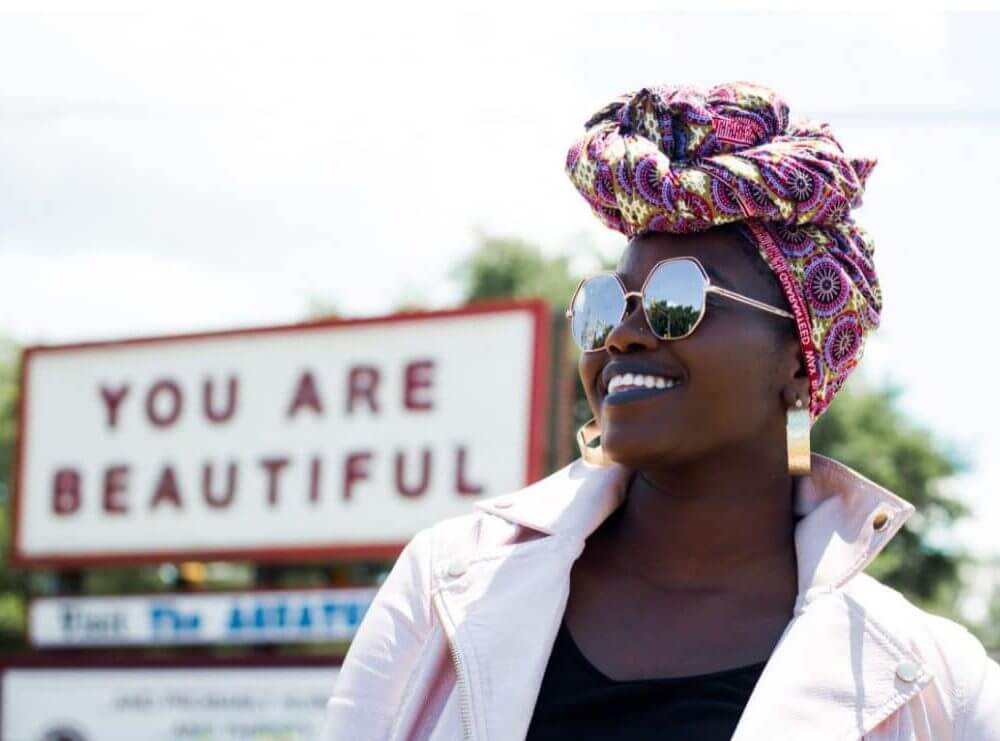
798,440
588,439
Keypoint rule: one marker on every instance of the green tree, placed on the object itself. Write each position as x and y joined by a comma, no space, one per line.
508,268
8,400
863,428
989,632
503,267
12,582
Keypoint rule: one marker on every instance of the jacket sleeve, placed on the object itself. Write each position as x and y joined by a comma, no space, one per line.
981,719
384,652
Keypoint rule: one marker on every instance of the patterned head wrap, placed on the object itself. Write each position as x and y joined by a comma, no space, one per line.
679,159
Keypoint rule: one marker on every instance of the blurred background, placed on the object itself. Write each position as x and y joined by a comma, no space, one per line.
170,169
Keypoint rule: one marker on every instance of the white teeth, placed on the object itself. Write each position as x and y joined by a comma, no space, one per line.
639,380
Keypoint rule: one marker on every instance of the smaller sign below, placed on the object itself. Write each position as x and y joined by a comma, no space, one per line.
285,616
165,703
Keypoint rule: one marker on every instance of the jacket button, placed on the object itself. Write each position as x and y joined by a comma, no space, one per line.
457,567
907,671
502,504
881,520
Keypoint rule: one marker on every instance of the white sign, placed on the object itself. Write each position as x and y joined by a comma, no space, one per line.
176,704
279,616
333,439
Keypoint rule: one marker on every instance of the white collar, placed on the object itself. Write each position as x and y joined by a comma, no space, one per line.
834,540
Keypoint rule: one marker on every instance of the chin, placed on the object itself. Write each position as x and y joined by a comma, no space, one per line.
631,453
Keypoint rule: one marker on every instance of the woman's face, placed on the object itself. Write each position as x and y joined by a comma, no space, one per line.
736,374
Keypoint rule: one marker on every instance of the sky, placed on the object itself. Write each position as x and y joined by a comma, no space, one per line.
180,167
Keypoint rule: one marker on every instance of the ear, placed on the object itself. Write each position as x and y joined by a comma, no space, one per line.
797,390
795,377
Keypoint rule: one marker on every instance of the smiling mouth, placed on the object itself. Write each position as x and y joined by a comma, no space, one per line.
626,381
630,387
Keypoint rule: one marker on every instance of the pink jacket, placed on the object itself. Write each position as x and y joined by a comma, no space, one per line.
456,642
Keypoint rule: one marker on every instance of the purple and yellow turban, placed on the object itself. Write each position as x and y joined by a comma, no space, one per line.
680,159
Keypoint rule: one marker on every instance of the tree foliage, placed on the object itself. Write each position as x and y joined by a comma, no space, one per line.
511,268
12,582
8,402
864,429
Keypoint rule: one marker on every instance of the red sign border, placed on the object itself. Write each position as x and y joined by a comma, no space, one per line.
536,445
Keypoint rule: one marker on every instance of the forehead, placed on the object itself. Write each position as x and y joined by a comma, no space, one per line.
719,252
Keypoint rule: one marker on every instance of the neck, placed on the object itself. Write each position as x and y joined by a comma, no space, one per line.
720,523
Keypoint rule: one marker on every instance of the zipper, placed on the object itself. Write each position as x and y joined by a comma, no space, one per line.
461,674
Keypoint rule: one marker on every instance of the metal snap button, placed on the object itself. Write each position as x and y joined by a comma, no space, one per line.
457,567
881,520
906,671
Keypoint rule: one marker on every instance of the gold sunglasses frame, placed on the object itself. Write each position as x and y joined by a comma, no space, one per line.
707,287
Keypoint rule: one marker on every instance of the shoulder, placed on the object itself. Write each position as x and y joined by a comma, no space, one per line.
459,537
922,629
566,502
957,659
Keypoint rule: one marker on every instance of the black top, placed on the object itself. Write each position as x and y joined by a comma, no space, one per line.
577,701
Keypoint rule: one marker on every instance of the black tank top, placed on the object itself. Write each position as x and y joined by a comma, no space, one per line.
577,701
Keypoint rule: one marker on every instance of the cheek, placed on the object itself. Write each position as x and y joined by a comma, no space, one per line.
740,368
590,367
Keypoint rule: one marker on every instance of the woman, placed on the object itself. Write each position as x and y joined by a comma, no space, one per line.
697,573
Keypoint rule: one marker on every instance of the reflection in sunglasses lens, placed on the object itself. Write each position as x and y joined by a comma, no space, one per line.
597,308
674,298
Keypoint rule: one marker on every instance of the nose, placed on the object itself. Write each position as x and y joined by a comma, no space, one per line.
633,332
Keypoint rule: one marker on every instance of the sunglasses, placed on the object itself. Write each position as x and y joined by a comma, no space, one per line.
672,298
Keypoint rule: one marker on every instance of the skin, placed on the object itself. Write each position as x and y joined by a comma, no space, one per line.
696,571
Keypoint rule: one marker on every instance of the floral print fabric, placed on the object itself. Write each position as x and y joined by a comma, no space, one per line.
680,159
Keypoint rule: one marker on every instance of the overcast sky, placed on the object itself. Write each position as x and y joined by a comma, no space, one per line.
208,166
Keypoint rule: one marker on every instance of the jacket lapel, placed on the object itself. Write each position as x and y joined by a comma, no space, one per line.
505,620
832,675
506,607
